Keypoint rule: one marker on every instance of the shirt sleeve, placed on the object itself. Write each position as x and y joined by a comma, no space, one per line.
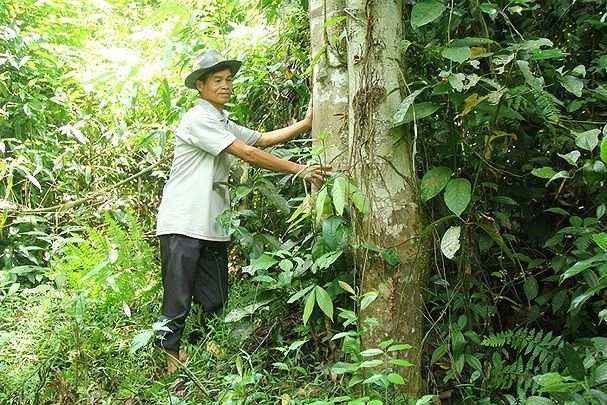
208,133
247,135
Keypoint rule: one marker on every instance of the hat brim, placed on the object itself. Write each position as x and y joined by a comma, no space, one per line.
190,80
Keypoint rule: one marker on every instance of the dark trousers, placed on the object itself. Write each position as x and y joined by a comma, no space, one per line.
192,269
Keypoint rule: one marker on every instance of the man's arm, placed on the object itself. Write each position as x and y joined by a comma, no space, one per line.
316,174
285,134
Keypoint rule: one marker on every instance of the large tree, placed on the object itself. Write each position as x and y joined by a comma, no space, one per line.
357,89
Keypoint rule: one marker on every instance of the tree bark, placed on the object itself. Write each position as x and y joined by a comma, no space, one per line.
380,159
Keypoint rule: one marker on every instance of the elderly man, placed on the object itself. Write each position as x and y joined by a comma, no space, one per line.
193,244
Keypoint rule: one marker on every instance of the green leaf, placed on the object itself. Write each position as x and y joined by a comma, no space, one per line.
531,288
600,374
401,362
321,202
425,12
403,108
434,181
299,294
141,339
457,195
237,314
419,111
346,287
450,243
360,201
571,157
489,9
587,140
310,300
426,399
535,400
457,54
339,191
371,352
545,172
334,232
573,362
604,150
263,262
582,265
400,346
601,240
573,85
324,301
395,378
100,266
326,260
371,363
367,299
334,20
390,257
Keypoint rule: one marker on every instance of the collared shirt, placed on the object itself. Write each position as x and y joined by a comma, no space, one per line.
196,192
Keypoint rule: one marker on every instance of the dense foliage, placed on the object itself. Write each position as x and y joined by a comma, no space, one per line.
506,101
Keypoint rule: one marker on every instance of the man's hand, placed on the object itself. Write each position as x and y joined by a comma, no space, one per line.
309,113
315,174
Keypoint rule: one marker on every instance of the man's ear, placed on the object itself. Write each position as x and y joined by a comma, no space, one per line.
199,85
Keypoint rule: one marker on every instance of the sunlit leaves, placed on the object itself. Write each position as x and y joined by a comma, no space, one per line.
457,54
434,181
587,140
450,242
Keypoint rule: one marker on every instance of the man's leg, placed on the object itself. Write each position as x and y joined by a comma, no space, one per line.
211,283
179,256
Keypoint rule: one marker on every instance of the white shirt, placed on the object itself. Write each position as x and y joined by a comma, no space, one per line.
196,192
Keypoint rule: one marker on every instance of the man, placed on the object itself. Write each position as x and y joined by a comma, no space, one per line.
193,244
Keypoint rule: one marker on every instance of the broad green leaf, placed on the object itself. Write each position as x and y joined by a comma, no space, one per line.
390,257
324,301
450,243
434,181
237,314
310,300
457,54
531,288
371,363
299,294
473,362
600,374
426,399
545,172
346,287
263,262
573,85
395,378
401,362
360,201
419,111
471,102
403,108
582,265
601,240
490,9
535,400
334,232
573,362
571,157
385,343
400,346
587,140
326,260
371,352
367,299
457,195
579,70
604,150
321,202
339,192
141,339
563,174
334,20
425,12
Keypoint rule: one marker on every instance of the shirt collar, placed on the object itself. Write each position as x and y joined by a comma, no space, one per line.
223,116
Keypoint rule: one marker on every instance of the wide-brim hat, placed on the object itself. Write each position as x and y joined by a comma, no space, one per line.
210,60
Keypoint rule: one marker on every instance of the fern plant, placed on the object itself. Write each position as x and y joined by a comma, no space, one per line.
531,352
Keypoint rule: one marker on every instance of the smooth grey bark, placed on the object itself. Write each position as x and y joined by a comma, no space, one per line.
379,158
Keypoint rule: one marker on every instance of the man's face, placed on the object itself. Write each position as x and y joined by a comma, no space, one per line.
218,88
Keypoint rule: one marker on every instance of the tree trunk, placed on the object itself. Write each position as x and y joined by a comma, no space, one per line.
380,159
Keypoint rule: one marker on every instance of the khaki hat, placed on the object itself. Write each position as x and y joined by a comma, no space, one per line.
208,60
